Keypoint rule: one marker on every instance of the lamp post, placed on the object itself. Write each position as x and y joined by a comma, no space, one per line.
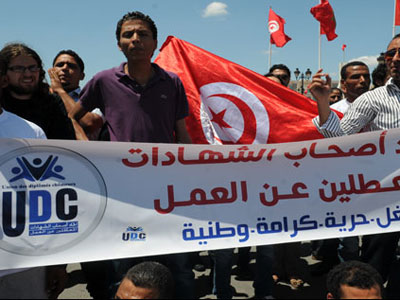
306,75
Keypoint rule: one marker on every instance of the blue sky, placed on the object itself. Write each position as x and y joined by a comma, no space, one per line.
234,29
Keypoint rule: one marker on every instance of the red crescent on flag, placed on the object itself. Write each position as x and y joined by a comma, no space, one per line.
250,122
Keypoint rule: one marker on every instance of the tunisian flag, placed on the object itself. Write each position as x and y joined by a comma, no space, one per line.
230,104
397,14
276,27
324,14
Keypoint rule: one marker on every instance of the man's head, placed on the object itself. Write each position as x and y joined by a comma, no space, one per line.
24,70
137,36
3,77
282,72
392,58
70,69
354,280
147,280
380,75
335,95
355,79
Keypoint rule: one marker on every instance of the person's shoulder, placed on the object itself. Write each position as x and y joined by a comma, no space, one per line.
166,74
28,128
339,103
106,74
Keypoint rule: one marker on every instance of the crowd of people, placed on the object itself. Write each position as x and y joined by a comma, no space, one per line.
123,104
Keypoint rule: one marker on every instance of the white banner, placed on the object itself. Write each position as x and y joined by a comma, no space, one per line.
69,201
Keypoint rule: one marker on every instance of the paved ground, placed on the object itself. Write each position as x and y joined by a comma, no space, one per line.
313,289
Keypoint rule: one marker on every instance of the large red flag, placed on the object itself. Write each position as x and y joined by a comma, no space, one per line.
232,105
276,27
324,14
397,14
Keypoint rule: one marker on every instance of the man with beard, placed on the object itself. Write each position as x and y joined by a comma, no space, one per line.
28,96
378,109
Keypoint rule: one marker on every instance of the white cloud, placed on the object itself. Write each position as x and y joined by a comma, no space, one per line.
215,9
370,61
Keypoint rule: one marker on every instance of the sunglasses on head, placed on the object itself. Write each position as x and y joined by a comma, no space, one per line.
392,52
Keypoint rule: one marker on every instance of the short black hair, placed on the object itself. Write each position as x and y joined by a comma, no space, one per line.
337,89
379,74
75,55
343,70
152,275
3,65
136,15
272,75
355,274
280,67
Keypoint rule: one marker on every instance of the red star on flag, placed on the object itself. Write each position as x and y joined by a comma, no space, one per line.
219,119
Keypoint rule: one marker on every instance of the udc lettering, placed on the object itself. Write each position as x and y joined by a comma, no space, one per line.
134,234
62,205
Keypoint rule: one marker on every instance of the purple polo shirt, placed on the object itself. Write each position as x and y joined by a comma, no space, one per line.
134,113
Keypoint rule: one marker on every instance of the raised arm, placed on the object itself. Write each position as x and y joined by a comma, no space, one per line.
320,89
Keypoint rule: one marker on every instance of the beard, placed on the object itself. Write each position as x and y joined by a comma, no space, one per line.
22,91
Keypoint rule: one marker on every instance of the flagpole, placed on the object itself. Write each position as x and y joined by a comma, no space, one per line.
319,44
394,18
270,54
344,55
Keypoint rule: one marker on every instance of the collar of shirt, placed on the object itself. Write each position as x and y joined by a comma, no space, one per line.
158,75
75,94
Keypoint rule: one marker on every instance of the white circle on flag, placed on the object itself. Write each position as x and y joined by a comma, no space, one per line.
234,114
273,26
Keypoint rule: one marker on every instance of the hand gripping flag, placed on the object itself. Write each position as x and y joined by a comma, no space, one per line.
324,14
230,104
277,30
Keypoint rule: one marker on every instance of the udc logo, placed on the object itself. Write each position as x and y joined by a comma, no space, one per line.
37,170
51,199
134,234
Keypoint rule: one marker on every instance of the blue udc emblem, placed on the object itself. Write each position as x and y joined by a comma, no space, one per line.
134,234
51,198
37,170
134,229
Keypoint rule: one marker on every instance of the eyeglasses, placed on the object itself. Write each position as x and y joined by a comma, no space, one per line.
22,69
392,52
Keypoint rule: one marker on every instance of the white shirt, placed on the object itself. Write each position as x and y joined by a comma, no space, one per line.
342,105
12,126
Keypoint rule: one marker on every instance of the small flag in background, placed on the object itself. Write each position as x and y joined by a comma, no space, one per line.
276,27
344,47
397,14
324,14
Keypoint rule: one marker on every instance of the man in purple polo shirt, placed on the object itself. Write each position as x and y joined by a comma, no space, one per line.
141,103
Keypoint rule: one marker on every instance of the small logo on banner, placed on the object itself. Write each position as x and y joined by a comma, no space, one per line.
134,234
51,198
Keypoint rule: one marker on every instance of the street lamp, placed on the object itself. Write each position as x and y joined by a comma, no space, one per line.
306,75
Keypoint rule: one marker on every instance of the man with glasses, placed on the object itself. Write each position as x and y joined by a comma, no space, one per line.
27,95
378,109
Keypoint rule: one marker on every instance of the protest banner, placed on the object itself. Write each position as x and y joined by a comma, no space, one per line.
68,201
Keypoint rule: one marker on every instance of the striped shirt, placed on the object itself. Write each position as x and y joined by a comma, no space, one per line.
378,109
